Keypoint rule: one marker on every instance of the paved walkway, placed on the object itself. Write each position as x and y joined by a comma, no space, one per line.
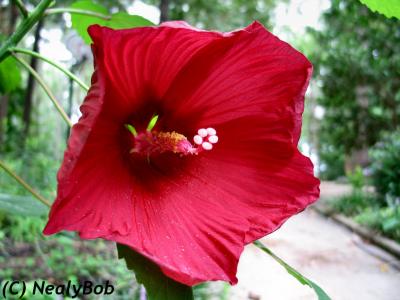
327,253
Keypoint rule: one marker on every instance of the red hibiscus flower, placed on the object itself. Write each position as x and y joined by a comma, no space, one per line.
187,146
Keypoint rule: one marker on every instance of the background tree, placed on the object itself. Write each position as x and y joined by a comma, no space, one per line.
219,14
357,67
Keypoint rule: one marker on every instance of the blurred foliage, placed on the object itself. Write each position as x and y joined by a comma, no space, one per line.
385,220
221,15
353,204
379,211
21,205
58,259
37,163
386,166
356,179
358,200
357,63
332,162
63,257
366,210
12,123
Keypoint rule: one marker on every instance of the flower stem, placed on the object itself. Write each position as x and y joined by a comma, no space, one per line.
21,8
23,28
45,88
303,280
78,11
24,184
53,63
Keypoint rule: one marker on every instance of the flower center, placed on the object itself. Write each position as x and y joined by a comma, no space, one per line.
150,141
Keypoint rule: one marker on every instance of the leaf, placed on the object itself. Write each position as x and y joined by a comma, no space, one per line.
158,286
303,280
81,22
119,20
10,76
22,205
389,8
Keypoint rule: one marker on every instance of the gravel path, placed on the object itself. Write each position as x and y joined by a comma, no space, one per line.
327,253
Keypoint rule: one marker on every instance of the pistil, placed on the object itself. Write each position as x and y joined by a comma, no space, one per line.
151,142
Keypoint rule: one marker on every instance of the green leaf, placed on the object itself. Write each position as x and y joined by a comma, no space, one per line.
81,22
10,76
119,20
158,286
22,205
303,280
389,8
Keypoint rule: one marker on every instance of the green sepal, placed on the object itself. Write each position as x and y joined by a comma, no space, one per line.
158,285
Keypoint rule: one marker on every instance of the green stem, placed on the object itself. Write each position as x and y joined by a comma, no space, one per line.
53,63
21,8
45,88
268,251
24,184
303,280
23,28
78,11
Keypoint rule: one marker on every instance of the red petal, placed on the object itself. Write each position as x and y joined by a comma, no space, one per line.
270,178
94,186
192,237
140,64
248,72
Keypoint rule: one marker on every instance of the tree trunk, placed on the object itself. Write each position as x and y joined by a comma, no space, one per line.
164,7
31,84
4,99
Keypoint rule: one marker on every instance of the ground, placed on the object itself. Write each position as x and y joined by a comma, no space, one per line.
344,265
